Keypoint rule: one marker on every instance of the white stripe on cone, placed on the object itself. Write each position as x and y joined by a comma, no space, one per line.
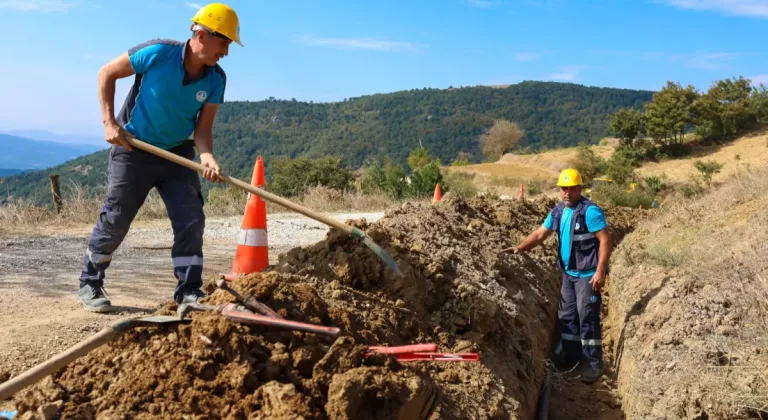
252,237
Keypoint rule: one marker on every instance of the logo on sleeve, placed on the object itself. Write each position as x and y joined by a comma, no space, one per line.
201,95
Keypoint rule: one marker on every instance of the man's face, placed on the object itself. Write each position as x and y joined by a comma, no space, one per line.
214,47
570,195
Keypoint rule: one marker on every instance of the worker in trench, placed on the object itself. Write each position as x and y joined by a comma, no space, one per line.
177,89
583,248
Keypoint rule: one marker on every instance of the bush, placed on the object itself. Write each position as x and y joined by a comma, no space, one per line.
654,184
588,163
500,138
618,195
461,184
620,167
533,188
292,177
707,169
423,181
691,189
461,160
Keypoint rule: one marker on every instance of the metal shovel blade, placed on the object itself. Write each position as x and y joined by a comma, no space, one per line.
380,252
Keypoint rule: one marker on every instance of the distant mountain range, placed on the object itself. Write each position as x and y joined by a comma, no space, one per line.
43,135
9,172
24,153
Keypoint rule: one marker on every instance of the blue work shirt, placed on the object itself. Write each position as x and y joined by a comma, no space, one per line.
595,222
164,102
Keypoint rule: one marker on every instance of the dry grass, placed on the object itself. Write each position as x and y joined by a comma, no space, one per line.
716,246
742,154
81,209
324,199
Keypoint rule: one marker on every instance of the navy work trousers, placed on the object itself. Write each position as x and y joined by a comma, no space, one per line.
131,176
579,313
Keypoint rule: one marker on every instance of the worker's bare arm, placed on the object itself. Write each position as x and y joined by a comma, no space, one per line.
118,68
204,142
532,241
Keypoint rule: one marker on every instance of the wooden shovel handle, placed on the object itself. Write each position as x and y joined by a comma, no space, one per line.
245,186
23,380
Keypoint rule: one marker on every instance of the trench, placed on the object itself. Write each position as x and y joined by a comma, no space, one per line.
562,395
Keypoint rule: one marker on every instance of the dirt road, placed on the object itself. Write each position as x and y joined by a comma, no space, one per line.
39,311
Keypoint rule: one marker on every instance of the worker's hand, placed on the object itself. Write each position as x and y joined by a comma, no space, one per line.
512,250
597,281
113,134
212,171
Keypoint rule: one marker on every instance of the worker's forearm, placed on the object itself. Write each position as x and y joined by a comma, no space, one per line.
604,256
204,143
532,241
107,97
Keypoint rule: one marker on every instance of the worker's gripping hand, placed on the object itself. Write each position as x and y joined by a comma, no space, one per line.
113,134
512,250
212,171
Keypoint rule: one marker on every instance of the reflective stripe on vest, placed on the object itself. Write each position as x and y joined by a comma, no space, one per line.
583,237
252,237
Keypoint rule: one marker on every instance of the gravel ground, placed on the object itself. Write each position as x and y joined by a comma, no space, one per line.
39,312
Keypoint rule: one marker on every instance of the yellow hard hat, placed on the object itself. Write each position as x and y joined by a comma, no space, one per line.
219,18
569,177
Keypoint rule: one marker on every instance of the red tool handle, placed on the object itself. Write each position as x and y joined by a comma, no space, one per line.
403,349
441,357
232,313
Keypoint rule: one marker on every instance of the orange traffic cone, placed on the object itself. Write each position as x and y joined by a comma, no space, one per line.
437,195
252,254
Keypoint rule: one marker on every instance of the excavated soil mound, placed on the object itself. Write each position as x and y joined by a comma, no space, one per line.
456,291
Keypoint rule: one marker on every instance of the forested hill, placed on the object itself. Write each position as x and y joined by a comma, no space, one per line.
446,121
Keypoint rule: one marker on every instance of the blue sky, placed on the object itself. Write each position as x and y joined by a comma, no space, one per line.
323,50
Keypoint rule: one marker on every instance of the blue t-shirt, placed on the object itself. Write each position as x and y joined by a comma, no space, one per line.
163,105
595,222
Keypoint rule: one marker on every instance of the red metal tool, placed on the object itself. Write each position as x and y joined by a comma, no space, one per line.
232,312
416,352
249,302
402,349
441,357
241,314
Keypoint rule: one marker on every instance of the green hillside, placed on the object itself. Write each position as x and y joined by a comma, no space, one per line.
446,121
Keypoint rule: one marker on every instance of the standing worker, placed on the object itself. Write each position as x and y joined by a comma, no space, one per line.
584,249
177,89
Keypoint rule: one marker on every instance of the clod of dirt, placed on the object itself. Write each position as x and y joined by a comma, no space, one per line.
457,291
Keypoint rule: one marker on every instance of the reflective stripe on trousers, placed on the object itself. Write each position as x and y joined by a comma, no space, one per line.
579,313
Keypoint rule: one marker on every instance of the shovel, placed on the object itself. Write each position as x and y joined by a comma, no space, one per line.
17,383
352,231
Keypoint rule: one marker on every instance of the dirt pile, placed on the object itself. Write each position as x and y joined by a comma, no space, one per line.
456,291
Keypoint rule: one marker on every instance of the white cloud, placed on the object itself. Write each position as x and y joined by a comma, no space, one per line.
705,60
194,5
758,79
38,5
567,74
358,44
526,56
754,8
484,4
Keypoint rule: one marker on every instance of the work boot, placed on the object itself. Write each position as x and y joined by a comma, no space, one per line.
191,296
94,298
591,374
